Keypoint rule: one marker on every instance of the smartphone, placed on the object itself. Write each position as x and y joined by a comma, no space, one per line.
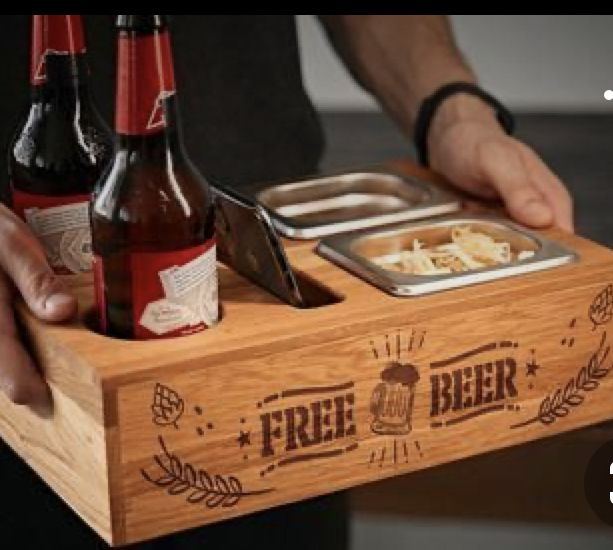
248,243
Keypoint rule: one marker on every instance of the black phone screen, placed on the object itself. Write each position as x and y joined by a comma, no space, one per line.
248,243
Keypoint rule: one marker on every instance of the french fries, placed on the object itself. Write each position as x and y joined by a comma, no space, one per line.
467,250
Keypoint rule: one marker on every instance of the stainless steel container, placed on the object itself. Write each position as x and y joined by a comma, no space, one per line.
355,252
337,203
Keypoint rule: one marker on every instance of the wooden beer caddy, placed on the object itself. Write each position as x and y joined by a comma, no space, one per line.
278,404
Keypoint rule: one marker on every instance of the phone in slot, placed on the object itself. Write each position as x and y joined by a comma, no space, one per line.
248,243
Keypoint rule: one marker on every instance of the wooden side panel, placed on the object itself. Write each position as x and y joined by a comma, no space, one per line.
278,404
204,443
67,450
67,445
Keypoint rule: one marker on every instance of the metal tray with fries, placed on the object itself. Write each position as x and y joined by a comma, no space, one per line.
376,255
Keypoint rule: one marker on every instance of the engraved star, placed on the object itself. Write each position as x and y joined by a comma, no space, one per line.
531,367
244,439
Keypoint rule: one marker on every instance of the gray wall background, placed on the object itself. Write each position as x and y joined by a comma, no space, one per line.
532,62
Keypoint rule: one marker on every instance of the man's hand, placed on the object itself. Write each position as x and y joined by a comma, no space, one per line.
404,59
468,146
23,267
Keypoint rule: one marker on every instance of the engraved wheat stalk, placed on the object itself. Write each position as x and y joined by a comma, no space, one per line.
560,403
179,477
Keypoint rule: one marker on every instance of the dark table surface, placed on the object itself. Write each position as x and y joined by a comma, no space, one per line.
578,147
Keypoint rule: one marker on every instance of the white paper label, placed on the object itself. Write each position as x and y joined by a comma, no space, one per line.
65,235
190,296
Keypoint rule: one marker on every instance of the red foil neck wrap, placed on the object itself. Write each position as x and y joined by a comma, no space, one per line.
145,78
54,34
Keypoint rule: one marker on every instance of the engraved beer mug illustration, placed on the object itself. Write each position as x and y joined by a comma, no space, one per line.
391,402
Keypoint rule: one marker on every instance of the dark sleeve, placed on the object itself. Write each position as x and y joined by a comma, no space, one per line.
246,114
101,39
14,96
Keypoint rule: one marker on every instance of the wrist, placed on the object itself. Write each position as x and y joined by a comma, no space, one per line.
456,104
459,109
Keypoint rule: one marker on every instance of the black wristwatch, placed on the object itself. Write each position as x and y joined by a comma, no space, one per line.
430,105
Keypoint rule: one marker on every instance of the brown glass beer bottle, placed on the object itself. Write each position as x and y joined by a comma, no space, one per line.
61,146
152,220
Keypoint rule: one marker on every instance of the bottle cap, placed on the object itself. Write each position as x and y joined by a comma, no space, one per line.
142,23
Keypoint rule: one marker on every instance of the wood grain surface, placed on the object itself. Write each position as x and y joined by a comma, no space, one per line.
278,404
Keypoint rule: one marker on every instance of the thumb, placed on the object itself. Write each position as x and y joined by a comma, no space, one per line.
23,260
504,169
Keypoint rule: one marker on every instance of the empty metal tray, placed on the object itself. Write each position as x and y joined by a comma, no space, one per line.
313,208
355,252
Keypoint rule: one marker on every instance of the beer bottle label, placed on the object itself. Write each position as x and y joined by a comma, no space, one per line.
61,224
173,293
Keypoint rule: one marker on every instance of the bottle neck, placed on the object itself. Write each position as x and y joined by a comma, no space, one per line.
66,80
160,147
58,50
146,109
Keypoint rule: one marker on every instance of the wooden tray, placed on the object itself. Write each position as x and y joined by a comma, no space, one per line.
277,404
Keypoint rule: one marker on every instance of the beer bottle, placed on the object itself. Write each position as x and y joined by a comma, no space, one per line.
152,220
61,146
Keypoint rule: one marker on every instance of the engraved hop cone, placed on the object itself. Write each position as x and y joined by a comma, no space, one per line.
601,310
167,406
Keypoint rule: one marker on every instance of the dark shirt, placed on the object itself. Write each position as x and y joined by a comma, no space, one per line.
246,117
